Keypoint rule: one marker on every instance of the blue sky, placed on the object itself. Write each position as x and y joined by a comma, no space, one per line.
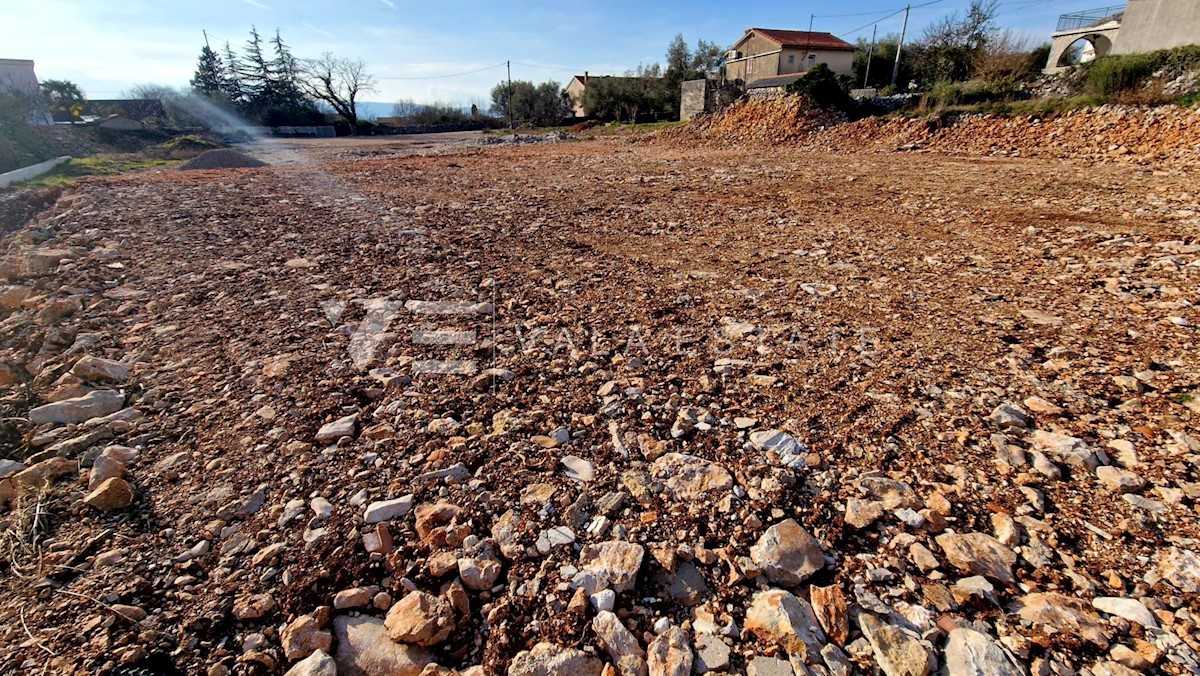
108,45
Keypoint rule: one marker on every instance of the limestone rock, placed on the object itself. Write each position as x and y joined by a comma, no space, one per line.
898,652
609,565
980,554
620,644
762,665
421,619
781,617
970,653
100,370
113,494
862,513
430,517
829,604
303,637
1119,480
787,553
1058,613
386,510
1181,568
688,477
892,493
44,472
579,469
789,450
670,654
106,466
94,404
364,649
1130,609
342,427
712,655
253,607
1072,450
478,573
1009,416
547,659
319,663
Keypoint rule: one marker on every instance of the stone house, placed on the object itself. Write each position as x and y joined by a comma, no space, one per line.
770,53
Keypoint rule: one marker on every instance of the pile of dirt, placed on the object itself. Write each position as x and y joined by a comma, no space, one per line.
1138,134
584,126
770,121
1128,133
186,147
222,158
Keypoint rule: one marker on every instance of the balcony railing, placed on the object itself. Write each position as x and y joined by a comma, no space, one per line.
1090,17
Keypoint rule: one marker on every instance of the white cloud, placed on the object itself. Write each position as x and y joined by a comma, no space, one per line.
319,31
389,3
256,3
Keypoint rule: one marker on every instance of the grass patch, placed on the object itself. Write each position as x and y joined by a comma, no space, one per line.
188,145
1026,107
96,165
1112,75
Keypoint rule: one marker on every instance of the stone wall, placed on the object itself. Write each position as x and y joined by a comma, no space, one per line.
692,99
1150,25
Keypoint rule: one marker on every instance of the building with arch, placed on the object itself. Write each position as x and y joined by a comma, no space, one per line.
1135,27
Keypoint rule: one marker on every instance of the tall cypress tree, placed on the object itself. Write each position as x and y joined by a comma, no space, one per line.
231,78
284,72
255,72
207,80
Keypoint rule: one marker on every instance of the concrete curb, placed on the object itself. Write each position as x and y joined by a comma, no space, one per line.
32,171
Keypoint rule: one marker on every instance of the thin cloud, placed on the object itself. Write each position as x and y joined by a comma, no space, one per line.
256,3
320,31
389,3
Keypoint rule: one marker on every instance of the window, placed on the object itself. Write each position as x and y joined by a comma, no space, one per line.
791,59
812,57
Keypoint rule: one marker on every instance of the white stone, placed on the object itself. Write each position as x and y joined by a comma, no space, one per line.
386,510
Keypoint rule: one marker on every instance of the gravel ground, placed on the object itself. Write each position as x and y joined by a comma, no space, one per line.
753,411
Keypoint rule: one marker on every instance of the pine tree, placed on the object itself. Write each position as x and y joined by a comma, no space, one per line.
208,78
231,78
284,72
255,72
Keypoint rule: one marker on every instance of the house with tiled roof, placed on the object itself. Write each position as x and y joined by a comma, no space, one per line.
772,53
578,85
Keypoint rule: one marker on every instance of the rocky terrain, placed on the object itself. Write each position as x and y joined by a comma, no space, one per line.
604,407
1145,135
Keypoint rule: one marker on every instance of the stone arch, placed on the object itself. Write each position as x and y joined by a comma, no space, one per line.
1101,43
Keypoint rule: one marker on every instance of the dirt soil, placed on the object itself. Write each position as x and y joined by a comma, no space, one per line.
950,345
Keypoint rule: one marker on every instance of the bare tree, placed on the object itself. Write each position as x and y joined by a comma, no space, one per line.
1006,56
337,82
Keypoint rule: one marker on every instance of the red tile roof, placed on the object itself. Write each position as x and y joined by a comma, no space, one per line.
803,39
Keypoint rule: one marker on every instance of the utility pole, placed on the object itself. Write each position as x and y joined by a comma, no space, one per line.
900,45
807,39
205,37
511,123
870,55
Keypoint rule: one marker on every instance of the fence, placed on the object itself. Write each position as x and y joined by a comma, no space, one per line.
1090,17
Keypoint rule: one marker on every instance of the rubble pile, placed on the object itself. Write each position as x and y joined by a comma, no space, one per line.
1143,135
1127,134
221,158
760,122
593,408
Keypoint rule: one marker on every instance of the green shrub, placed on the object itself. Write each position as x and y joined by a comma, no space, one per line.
1111,75
1117,74
823,88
